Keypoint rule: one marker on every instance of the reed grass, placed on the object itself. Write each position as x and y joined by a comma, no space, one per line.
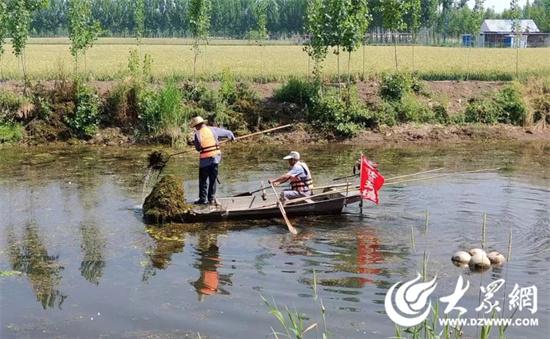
292,321
484,231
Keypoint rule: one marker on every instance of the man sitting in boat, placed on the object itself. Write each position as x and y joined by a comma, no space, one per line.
299,177
207,144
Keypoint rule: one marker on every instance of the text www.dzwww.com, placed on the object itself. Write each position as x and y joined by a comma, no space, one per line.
519,322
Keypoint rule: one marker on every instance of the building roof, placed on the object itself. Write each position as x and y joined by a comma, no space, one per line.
505,26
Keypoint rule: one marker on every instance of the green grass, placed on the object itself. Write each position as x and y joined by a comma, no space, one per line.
11,133
48,58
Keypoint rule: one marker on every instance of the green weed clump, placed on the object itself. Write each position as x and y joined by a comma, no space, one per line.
166,203
506,106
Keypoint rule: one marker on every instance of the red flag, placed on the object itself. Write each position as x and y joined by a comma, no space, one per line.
371,181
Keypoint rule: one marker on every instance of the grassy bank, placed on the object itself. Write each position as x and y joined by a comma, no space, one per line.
137,110
107,60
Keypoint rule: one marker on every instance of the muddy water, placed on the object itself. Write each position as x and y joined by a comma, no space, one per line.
90,268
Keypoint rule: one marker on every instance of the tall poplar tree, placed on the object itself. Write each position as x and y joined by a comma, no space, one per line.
199,22
515,14
392,19
83,29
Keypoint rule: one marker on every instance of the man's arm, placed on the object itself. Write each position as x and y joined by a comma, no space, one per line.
197,143
222,133
294,172
282,179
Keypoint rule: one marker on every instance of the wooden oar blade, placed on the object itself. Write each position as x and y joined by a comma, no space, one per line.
291,228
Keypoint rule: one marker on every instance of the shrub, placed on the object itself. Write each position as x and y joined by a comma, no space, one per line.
413,110
394,86
344,117
506,106
86,117
440,114
512,106
299,92
170,104
10,103
479,110
149,113
123,104
228,88
10,132
163,112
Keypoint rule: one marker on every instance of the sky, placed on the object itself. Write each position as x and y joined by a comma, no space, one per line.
498,5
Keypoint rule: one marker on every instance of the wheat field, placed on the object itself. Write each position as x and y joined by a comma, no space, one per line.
50,59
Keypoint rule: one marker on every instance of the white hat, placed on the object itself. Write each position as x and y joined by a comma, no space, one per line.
292,155
195,121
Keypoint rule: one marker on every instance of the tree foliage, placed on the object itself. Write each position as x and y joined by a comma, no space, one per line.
83,29
3,25
199,19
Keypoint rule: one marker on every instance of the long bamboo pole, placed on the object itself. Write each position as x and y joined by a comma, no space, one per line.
238,138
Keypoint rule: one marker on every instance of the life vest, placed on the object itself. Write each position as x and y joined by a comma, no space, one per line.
302,184
209,143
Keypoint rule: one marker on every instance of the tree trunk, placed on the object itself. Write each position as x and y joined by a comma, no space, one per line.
363,73
195,55
395,51
338,64
349,68
517,60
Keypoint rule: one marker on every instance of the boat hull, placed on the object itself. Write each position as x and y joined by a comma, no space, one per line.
247,208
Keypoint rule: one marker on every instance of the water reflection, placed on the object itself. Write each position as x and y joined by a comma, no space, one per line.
208,263
167,241
30,256
93,246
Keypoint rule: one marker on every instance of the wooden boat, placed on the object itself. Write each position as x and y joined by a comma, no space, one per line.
329,201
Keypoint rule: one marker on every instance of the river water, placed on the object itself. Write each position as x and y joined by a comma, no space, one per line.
90,268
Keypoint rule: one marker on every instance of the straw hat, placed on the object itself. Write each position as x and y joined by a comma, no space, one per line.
195,121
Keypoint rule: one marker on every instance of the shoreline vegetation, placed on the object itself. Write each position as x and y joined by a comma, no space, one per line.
389,108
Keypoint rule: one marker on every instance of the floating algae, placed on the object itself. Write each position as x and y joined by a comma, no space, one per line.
166,202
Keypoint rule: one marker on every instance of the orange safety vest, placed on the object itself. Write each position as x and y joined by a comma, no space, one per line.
209,143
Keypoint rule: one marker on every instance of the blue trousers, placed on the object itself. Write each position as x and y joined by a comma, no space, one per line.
208,174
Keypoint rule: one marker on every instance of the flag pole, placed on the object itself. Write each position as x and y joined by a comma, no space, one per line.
361,171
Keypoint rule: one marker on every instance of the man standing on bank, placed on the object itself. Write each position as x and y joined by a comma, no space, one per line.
299,175
207,144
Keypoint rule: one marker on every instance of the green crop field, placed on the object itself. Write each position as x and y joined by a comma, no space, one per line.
48,58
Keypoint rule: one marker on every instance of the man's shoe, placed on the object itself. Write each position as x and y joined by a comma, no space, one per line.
200,202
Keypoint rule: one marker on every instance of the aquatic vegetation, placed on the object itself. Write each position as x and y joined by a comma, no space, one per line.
9,273
166,202
292,321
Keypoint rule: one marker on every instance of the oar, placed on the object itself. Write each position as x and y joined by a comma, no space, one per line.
162,162
291,228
